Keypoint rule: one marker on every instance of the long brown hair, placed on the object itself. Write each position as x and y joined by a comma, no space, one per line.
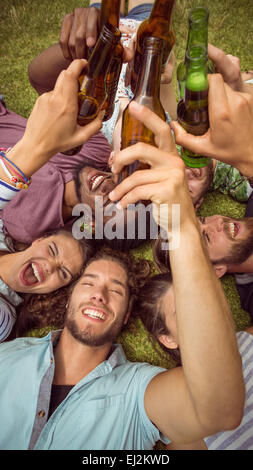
161,257
148,306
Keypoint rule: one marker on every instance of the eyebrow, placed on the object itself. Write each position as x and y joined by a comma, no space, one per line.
64,267
115,281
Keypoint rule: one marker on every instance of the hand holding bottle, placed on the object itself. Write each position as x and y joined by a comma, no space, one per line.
79,31
228,66
230,136
52,126
164,183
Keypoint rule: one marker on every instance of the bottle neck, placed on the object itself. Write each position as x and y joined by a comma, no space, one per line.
110,12
163,9
148,83
196,84
198,27
102,53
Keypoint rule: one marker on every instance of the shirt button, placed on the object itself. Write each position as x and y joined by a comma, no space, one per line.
41,413
51,360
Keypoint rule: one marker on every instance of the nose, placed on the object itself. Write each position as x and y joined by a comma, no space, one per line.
192,173
217,223
49,266
99,296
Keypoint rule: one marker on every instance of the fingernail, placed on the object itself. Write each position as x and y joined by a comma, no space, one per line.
118,205
90,42
111,195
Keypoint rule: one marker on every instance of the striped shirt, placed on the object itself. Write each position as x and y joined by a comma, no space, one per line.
240,438
9,299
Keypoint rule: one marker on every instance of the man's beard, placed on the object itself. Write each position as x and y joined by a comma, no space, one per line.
86,336
241,249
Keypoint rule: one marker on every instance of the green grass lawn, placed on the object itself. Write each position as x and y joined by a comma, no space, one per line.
28,26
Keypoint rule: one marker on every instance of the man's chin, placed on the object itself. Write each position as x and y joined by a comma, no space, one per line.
87,337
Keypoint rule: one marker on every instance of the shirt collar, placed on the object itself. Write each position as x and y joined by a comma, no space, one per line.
117,356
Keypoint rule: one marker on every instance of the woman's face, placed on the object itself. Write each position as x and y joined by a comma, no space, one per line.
48,264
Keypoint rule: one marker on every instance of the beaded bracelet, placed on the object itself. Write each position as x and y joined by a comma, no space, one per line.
22,182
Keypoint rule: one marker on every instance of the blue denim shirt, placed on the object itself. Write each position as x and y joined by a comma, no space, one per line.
105,410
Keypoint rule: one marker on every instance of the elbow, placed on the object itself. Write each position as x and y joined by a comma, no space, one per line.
224,417
233,418
37,87
31,77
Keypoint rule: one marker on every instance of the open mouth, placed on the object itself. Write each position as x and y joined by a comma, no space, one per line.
32,274
234,229
94,314
96,180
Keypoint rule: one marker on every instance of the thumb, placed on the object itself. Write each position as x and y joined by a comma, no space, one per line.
196,144
84,133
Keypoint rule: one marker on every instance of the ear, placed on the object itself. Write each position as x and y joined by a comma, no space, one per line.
220,269
198,204
168,341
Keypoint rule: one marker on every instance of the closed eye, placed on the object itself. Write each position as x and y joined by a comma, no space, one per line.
51,250
206,237
63,273
116,292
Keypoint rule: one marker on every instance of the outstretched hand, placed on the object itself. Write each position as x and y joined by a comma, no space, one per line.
228,66
230,136
52,126
164,183
79,31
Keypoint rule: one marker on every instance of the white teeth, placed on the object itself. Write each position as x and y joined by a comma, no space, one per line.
96,182
232,229
36,273
93,313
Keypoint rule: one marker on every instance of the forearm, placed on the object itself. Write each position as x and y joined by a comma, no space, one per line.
207,340
45,68
27,158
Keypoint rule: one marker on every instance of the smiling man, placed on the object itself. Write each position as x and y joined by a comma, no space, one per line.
217,176
86,395
229,243
98,399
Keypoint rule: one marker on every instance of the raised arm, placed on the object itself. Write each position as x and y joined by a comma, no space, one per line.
52,126
207,394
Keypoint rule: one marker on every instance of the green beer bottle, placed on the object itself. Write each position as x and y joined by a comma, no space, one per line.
192,111
197,34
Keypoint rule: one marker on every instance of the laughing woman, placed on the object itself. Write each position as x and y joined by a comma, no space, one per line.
55,260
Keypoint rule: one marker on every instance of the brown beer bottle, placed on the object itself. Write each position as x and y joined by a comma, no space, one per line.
192,111
110,13
92,95
147,93
158,25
